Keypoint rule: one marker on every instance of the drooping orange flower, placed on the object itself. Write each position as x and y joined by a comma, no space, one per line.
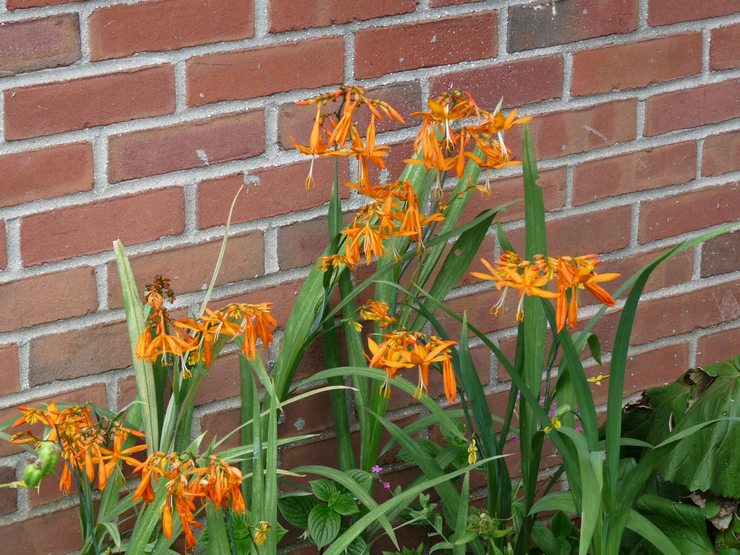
377,311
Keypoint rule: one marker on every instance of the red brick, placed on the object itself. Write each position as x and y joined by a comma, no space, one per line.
600,232
519,82
721,154
512,189
94,394
445,41
297,121
563,133
638,64
80,352
701,105
54,534
688,212
190,267
20,4
89,101
194,144
304,14
3,246
37,300
39,44
279,190
717,346
687,312
301,244
91,228
441,3
649,369
546,23
305,64
637,171
126,29
665,12
674,271
8,496
223,381
46,173
9,377
721,255
724,52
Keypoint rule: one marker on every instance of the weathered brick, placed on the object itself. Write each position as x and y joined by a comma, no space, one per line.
193,144
3,246
46,298
125,29
649,369
691,211
297,121
305,64
20,4
89,101
278,190
519,82
721,154
80,352
701,105
721,255
511,189
301,244
545,23
91,228
602,231
637,171
637,64
94,394
563,133
38,44
46,173
8,496
384,50
441,3
687,312
190,267
674,271
9,377
304,14
55,534
724,52
717,346
665,12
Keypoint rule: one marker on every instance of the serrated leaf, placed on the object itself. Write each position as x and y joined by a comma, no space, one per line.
323,525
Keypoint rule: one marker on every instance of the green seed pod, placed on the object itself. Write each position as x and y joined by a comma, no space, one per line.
48,457
32,475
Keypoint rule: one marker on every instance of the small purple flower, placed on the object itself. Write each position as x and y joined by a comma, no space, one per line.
579,428
387,485
377,469
516,438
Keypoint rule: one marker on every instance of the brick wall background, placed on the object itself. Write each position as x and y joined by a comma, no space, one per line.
139,120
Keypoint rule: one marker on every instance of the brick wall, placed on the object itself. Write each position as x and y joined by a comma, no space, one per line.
139,120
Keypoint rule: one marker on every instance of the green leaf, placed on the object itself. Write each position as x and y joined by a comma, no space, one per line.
295,509
684,525
218,541
544,538
364,479
323,525
555,501
461,522
344,504
595,346
641,525
324,489
358,547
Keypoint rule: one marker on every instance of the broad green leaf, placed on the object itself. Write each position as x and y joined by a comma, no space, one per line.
684,525
295,509
324,489
555,501
344,504
641,525
323,525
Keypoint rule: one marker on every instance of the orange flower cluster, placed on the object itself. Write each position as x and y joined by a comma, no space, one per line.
331,130
445,148
377,311
192,340
186,481
404,349
571,275
81,441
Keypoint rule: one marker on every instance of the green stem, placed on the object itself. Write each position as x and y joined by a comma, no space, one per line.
248,400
